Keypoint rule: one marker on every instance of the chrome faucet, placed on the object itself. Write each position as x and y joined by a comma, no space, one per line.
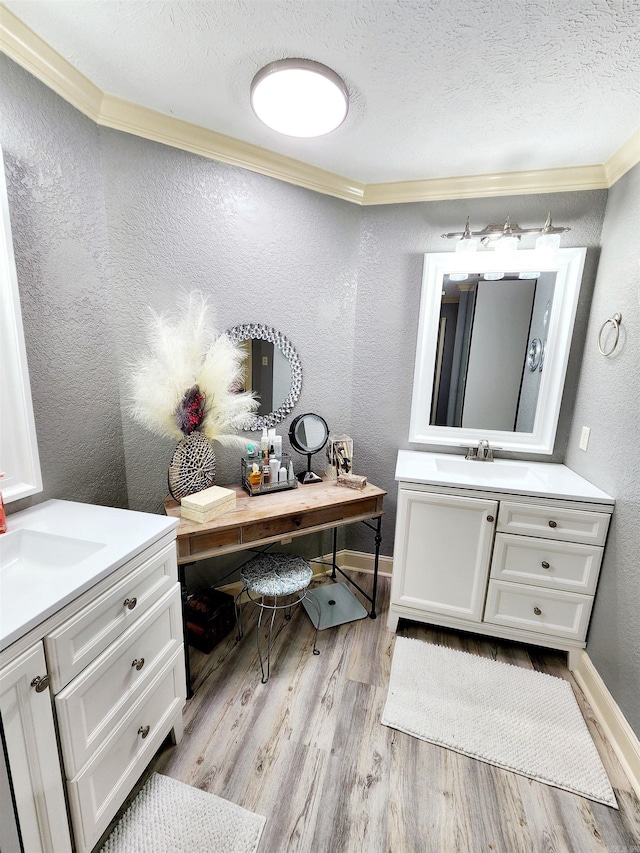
483,453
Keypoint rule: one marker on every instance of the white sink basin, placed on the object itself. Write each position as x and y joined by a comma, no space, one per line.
496,470
29,550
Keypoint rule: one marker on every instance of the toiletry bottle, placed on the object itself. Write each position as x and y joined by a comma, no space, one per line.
277,443
3,517
282,475
252,453
255,477
292,475
266,473
264,445
274,468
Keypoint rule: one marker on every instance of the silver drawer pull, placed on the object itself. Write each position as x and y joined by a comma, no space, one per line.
41,682
143,731
138,663
553,524
130,603
545,565
537,611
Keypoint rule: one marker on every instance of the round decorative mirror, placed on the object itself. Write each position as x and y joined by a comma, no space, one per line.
272,370
308,434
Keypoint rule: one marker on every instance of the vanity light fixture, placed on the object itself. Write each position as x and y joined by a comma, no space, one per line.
507,236
465,244
299,97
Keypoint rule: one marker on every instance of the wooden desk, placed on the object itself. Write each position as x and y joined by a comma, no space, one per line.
259,521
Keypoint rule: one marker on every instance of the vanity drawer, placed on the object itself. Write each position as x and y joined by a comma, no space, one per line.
94,703
567,525
546,563
82,638
97,792
545,611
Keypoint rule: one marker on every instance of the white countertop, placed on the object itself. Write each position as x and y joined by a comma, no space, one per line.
513,476
105,538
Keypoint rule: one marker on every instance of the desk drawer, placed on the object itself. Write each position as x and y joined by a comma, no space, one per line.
547,563
72,646
545,611
92,705
566,525
98,791
304,520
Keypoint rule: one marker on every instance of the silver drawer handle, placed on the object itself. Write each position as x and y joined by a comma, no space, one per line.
553,524
537,611
130,603
138,663
41,682
143,731
545,565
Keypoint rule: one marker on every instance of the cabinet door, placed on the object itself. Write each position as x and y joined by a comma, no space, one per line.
27,720
443,551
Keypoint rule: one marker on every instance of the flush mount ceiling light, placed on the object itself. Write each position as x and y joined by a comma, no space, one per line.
299,97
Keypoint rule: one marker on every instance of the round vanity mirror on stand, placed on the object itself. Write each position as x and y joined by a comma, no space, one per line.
308,434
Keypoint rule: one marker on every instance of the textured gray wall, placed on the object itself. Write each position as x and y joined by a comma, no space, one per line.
54,184
394,239
608,401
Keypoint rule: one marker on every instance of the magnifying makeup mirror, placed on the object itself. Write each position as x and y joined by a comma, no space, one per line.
308,434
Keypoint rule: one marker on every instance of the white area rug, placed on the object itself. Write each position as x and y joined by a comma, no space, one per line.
518,719
168,816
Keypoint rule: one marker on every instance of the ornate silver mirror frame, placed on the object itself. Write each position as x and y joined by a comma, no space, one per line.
256,331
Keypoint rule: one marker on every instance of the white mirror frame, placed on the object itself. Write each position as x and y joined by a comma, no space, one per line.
19,457
568,265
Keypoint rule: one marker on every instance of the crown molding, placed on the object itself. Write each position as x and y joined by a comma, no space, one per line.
31,52
126,116
21,44
570,179
624,159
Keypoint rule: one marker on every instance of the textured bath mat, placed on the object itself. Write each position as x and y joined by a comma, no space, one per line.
168,816
518,719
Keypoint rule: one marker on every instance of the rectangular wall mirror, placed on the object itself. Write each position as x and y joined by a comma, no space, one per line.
19,458
493,345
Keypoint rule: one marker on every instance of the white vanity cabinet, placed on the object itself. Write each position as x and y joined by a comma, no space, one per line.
442,553
110,660
32,752
517,566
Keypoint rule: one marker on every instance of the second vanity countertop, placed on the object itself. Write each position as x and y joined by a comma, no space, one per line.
513,476
56,550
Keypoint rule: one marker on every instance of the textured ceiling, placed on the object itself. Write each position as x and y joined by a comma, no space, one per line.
438,88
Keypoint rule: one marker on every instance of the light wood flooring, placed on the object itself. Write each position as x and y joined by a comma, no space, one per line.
307,750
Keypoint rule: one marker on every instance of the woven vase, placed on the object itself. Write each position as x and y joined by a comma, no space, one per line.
192,467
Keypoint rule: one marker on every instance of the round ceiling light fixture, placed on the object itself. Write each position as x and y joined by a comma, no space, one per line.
299,97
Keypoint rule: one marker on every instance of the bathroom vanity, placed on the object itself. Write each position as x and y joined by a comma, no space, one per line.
509,549
92,675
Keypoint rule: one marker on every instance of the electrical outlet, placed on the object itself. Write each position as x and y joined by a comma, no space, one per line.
584,438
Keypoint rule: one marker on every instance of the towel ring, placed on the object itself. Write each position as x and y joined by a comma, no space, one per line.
615,321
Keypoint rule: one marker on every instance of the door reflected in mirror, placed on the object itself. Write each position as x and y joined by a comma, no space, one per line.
482,378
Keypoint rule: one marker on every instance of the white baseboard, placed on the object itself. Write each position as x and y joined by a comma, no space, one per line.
618,731
360,561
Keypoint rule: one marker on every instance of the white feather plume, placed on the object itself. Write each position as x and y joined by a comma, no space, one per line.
183,349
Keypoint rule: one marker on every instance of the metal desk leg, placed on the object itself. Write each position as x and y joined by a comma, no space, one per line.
378,541
335,553
184,594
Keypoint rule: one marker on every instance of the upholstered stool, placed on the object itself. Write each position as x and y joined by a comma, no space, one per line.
276,577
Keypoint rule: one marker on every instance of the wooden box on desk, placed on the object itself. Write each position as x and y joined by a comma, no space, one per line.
208,504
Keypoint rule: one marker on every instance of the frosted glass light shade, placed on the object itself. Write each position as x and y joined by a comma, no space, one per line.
507,244
493,276
466,245
548,243
299,97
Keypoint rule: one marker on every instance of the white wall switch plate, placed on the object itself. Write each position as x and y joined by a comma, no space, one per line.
584,438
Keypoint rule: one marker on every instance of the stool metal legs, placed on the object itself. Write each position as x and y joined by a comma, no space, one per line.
265,659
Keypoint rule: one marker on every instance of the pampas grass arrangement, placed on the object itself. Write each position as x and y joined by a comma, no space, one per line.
183,382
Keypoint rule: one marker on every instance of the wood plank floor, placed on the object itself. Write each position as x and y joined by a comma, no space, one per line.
308,751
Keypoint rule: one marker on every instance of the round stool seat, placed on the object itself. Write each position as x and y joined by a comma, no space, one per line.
276,574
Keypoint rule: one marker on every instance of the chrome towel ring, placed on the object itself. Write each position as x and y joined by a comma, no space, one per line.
615,322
